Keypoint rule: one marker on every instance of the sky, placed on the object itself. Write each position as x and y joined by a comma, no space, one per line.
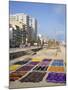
51,18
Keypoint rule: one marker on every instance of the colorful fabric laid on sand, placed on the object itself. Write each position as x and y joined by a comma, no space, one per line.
58,63
33,77
35,71
14,67
56,77
40,68
55,69
33,63
25,68
16,75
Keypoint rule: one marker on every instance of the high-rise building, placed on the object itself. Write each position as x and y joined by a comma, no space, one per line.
34,27
27,24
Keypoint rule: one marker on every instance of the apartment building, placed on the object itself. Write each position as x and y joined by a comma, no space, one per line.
27,25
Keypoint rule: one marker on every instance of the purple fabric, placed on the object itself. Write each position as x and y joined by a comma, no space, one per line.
33,63
14,78
33,77
47,60
25,68
44,63
56,77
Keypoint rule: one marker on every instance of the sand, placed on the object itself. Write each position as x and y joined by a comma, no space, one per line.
44,53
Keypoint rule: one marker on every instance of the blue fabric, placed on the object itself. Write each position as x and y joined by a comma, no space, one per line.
58,63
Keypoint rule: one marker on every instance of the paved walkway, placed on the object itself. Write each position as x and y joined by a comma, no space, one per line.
13,50
51,54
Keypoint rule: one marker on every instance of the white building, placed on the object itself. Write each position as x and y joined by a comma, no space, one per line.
27,23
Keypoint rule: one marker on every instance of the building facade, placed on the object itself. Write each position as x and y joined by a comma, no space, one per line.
27,26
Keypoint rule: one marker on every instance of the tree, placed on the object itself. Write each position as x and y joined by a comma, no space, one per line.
24,36
39,41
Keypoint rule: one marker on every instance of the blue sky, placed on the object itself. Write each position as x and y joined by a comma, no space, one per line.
50,17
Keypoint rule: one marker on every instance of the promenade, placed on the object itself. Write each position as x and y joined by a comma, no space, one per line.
57,65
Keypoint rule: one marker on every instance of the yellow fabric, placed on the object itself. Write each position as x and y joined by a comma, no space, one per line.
37,59
14,67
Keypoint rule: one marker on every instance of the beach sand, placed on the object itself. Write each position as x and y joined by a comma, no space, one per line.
42,54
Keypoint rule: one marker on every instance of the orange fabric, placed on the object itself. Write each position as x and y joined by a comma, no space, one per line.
56,69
